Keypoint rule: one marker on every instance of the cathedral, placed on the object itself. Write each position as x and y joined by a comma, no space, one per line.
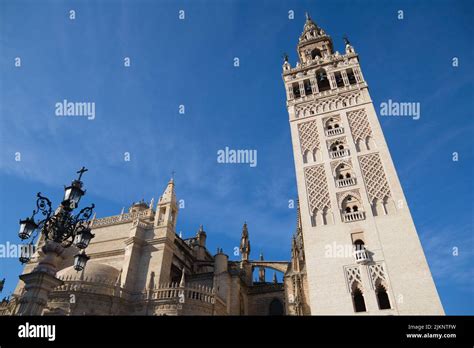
139,265
355,250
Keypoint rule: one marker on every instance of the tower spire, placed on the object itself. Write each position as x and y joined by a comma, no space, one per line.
245,243
169,195
167,209
313,42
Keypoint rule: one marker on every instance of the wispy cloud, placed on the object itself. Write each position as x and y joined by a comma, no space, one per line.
450,253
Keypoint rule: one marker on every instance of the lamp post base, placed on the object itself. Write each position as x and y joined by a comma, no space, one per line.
38,285
41,281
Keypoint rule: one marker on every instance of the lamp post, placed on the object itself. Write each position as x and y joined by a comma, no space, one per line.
60,230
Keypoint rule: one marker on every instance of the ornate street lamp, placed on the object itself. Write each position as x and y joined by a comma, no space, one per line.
27,227
60,226
73,193
80,260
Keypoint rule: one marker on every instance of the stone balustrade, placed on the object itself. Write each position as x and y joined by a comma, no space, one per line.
345,182
354,216
339,153
122,218
334,131
361,256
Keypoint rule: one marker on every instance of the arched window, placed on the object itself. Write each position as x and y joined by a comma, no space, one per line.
322,80
305,156
351,77
339,79
276,307
315,53
343,172
296,90
352,209
307,87
382,297
359,244
358,300
336,126
337,145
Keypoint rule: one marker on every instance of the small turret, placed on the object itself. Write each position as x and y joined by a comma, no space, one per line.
245,244
138,206
349,47
261,271
201,236
220,262
200,246
166,209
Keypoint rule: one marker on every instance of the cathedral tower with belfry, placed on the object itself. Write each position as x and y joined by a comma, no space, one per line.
362,253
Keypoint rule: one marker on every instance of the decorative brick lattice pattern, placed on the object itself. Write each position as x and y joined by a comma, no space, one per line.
317,188
328,104
359,124
376,273
309,139
374,177
353,276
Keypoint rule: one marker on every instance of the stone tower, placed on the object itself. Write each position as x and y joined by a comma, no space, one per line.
362,251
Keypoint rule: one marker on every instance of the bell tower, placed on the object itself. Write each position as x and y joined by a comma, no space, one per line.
362,251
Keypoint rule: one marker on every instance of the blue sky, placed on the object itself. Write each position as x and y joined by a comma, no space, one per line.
190,62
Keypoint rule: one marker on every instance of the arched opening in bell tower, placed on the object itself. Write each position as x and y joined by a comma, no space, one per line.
322,80
315,53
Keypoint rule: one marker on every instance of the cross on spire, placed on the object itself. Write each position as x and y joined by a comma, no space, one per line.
81,171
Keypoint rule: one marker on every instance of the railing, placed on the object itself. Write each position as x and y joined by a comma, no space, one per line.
339,153
122,218
181,294
354,216
334,131
166,292
361,256
345,182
